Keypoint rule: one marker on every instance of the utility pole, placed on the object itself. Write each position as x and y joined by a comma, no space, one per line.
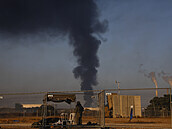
1,98
117,82
171,106
54,110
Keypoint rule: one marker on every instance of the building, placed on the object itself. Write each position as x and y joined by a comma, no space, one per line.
121,105
31,105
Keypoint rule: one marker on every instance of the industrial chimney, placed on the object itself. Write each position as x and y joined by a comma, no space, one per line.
153,78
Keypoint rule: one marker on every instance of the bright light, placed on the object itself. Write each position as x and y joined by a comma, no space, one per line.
1,97
108,94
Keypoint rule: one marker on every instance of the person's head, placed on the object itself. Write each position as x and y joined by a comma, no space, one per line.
78,103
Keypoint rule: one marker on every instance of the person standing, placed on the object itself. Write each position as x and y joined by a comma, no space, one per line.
131,113
78,116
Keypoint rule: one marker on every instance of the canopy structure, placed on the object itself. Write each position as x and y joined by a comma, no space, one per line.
68,98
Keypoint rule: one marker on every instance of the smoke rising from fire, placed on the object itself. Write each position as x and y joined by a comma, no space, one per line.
78,19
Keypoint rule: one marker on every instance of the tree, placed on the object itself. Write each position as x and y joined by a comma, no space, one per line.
18,106
158,105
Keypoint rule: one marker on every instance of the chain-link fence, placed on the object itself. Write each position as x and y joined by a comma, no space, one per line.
50,109
138,108
112,108
20,110
66,111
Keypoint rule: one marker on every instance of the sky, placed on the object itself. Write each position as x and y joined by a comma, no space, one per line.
138,38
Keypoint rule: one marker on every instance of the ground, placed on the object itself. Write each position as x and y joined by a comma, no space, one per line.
117,123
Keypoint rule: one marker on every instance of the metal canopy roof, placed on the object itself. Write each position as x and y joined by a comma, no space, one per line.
68,98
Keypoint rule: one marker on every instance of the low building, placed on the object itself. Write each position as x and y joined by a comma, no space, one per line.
31,105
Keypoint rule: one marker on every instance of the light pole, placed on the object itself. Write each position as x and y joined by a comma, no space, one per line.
1,97
117,82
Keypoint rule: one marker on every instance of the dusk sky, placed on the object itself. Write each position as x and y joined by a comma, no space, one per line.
137,41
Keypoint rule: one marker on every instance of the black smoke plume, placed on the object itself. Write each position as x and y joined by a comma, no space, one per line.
78,18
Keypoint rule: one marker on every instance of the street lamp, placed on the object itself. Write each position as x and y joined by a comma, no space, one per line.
117,82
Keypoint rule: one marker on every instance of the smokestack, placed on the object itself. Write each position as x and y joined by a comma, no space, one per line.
153,78
170,82
168,79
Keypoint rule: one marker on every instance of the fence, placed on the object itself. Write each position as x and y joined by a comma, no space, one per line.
149,109
110,108
45,109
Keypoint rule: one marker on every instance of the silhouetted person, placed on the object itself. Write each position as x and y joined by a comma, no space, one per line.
78,110
131,113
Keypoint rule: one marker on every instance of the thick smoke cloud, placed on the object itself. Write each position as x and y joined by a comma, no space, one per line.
78,18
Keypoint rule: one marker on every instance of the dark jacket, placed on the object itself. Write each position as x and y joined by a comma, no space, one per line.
79,109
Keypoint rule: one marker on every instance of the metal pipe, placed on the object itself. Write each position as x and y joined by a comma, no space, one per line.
1,94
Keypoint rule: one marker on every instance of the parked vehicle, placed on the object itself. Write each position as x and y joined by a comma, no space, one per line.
48,122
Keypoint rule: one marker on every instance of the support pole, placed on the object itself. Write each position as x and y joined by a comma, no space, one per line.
44,111
171,107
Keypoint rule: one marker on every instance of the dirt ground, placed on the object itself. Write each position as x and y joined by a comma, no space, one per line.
139,120
116,123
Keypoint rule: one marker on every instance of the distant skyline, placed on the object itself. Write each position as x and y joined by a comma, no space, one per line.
139,32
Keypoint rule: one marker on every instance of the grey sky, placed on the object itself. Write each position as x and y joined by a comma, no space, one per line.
139,33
